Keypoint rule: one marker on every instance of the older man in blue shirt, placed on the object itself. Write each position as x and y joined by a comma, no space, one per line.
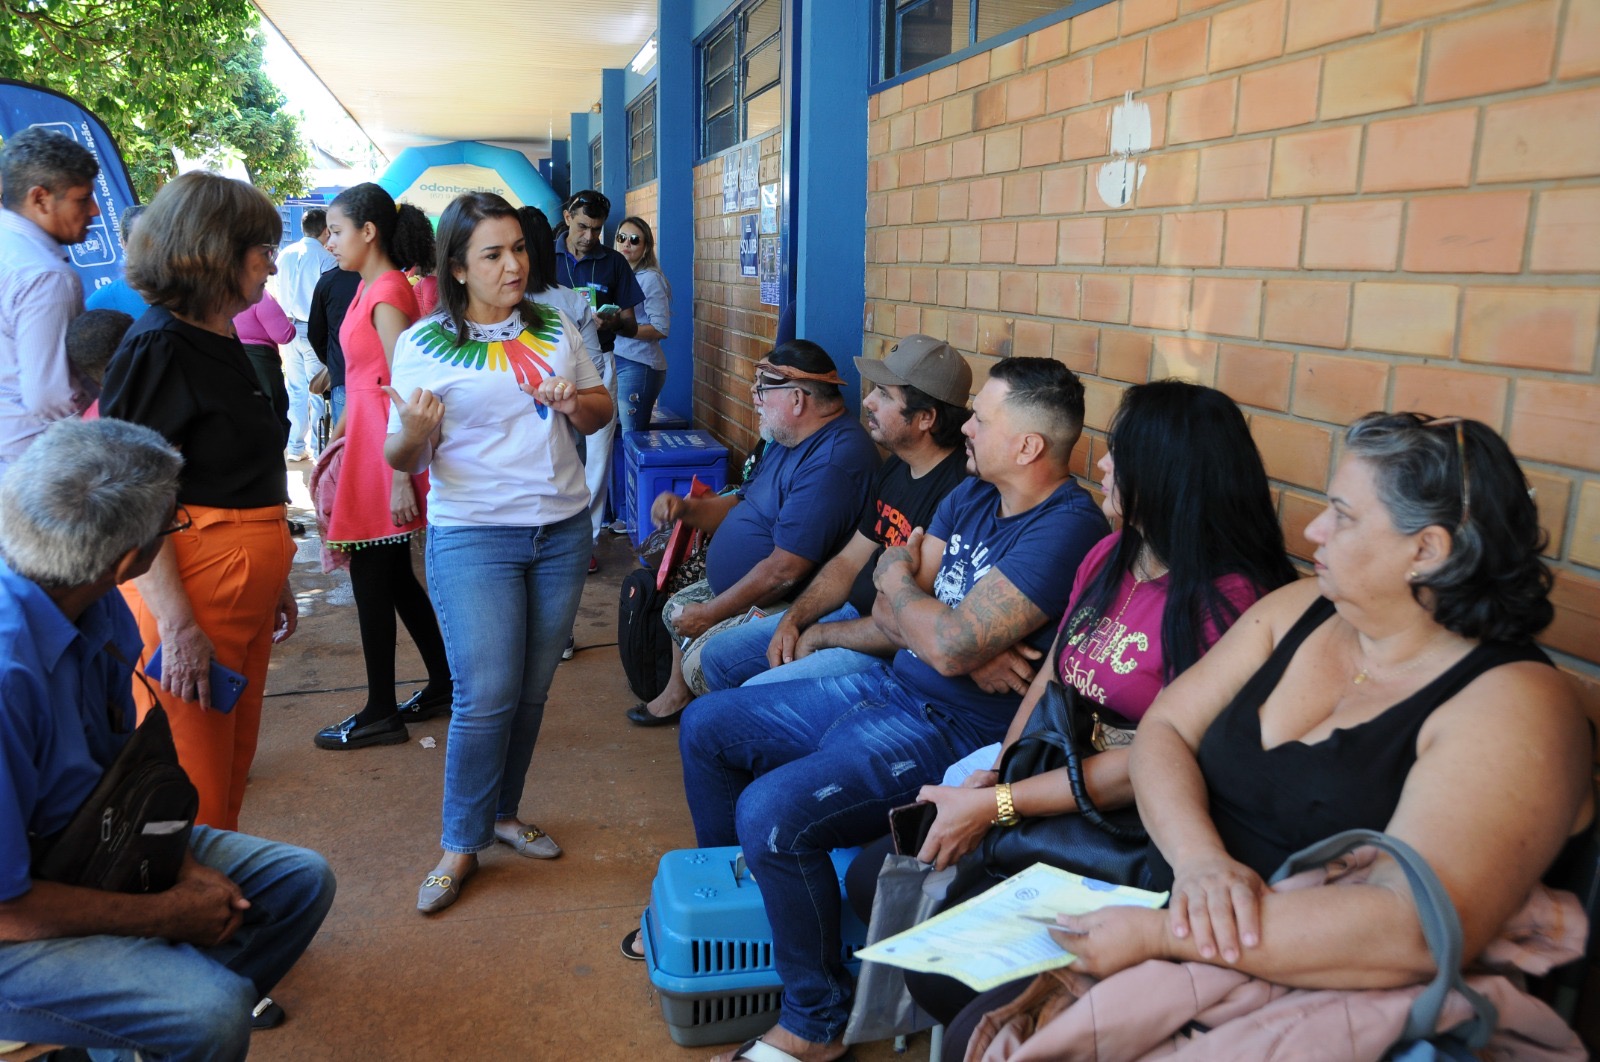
170,975
48,201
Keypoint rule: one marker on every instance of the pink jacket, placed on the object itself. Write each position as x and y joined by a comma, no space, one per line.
264,324
1138,1014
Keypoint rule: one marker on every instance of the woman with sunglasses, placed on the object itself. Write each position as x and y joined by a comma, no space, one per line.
377,510
1399,691
219,588
641,366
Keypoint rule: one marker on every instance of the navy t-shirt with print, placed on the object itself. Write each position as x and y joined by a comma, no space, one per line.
805,499
901,504
604,278
1038,551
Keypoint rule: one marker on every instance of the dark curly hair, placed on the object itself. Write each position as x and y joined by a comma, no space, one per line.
403,232
1460,475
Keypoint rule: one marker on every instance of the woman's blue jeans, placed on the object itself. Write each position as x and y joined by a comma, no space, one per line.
506,598
792,770
638,387
738,655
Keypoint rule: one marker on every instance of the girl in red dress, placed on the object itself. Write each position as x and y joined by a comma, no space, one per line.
375,509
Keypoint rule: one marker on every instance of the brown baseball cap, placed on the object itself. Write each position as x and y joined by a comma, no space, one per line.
930,365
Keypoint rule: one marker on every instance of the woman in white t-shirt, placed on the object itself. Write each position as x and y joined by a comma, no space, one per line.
491,393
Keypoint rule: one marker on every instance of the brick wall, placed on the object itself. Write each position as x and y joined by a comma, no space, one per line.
1339,206
732,329
643,202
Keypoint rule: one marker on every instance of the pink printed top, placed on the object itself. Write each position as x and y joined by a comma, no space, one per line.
264,324
1119,663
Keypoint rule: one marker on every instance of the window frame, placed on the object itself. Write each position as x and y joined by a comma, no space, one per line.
886,19
596,162
734,24
642,166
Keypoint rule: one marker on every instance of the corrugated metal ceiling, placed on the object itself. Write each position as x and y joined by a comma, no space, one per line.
415,72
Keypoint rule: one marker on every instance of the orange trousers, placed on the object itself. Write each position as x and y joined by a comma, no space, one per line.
234,563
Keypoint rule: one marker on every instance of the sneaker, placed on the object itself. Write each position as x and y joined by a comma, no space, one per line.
594,563
566,654
618,527
294,458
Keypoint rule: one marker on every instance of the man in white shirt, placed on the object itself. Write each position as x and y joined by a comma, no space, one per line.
48,203
300,265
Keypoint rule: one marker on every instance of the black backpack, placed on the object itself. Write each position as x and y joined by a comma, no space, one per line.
642,640
132,832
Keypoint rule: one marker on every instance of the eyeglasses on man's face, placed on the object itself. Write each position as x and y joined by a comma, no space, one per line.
181,521
759,389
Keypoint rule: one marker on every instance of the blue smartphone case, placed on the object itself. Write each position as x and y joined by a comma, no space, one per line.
226,683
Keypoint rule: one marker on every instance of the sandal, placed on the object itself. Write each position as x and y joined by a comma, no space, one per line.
758,1050
627,946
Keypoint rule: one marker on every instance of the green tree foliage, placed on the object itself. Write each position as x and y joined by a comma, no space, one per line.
160,75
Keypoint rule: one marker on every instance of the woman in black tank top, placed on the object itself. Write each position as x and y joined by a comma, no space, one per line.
1399,690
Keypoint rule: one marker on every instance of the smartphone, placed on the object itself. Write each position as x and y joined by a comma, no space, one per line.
609,307
909,825
226,683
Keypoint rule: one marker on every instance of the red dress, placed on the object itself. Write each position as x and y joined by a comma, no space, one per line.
360,514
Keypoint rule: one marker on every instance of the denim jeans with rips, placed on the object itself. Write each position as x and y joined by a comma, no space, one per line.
792,770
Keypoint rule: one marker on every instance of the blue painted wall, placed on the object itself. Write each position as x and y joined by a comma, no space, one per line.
829,49
676,135
578,162
614,161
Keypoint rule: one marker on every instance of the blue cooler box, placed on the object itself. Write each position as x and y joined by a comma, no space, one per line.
708,946
658,461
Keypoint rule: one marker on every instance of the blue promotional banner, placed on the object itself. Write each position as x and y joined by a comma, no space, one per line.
99,257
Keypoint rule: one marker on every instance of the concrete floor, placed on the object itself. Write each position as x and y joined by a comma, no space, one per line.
525,965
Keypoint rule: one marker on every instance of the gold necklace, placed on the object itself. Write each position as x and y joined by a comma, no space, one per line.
1363,673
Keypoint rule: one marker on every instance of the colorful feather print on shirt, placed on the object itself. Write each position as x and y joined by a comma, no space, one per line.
524,356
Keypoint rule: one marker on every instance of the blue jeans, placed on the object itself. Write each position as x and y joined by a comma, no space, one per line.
336,402
168,1001
300,364
638,387
506,598
738,656
795,769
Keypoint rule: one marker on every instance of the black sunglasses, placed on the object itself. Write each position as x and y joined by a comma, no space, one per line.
590,199
631,239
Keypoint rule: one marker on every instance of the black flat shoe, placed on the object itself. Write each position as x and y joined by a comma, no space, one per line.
347,735
266,1015
639,715
418,709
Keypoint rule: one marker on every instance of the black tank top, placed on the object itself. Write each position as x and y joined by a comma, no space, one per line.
1268,804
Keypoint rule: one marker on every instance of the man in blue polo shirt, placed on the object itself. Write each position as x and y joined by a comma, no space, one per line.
602,275
798,508
174,974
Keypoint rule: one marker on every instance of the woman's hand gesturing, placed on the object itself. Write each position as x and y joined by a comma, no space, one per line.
557,392
420,416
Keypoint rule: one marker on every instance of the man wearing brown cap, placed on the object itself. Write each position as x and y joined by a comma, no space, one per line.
797,509
915,411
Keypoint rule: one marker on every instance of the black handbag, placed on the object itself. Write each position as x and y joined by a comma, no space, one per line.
1111,846
132,833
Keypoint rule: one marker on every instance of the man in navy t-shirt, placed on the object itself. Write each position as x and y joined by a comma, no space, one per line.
588,266
791,770
798,509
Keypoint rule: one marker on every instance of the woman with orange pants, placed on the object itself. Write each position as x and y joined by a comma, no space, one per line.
219,588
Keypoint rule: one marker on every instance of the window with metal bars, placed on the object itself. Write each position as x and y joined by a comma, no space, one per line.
916,33
741,77
642,139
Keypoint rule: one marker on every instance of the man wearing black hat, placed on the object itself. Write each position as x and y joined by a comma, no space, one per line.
798,508
916,412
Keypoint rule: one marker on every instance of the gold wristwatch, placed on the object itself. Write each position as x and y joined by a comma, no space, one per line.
1007,811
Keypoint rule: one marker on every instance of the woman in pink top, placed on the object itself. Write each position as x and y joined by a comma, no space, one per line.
377,510
261,328
1199,543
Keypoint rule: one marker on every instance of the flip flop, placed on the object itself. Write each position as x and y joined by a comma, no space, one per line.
758,1050
627,946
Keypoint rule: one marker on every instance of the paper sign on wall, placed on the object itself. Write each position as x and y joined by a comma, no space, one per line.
769,209
750,177
769,270
747,245
730,182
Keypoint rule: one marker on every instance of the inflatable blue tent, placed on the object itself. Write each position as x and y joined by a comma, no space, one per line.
429,177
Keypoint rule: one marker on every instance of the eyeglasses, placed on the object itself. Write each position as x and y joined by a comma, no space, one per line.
270,250
588,200
181,521
1461,457
631,239
759,389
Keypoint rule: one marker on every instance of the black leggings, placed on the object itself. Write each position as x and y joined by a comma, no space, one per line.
385,584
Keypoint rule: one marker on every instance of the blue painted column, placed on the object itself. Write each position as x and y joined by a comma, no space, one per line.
614,138
578,162
560,176
830,60
676,137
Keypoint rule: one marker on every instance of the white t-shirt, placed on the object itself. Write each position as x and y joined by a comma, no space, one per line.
503,459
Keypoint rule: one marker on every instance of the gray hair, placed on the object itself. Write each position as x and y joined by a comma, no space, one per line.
82,496
42,158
